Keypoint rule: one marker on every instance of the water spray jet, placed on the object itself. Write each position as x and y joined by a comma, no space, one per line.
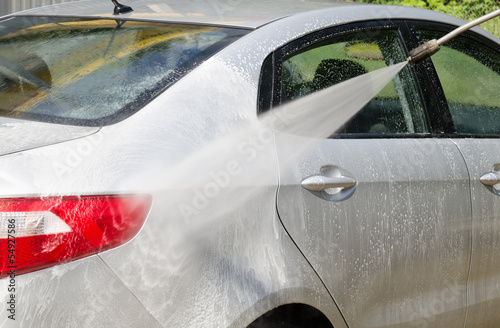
429,48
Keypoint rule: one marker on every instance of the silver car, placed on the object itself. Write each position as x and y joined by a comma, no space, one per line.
247,164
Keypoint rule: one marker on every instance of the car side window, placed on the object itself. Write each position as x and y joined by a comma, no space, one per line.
469,73
397,109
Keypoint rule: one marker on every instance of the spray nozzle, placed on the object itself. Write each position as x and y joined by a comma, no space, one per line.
429,48
424,51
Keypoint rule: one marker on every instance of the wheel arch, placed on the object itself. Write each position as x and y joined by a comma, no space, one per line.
300,305
292,315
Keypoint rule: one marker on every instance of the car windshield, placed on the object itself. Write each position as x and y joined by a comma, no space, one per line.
92,71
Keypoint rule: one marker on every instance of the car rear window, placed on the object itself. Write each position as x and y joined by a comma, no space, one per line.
95,72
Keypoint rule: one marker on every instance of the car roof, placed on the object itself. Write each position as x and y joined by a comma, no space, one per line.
236,13
250,14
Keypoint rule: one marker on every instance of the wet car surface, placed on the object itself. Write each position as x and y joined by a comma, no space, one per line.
200,164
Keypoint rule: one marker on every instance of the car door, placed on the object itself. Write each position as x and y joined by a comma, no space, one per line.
381,209
469,72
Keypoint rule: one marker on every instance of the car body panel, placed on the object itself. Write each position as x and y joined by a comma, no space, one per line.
395,246
18,135
207,274
483,156
84,293
293,14
228,13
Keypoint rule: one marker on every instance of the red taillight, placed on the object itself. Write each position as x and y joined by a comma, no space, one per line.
36,233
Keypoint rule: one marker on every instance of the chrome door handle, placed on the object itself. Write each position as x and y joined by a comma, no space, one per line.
490,178
320,182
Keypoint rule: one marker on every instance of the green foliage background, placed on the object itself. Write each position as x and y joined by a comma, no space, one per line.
465,9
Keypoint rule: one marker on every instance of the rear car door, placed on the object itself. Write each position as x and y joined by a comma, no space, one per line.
468,68
390,238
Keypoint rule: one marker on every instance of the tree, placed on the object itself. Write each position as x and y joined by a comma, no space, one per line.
465,9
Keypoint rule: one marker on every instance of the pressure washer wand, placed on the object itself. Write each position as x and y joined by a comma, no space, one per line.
429,48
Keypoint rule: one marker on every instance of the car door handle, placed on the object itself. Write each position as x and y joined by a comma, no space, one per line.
490,178
320,182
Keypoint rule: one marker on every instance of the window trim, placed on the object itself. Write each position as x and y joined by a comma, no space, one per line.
269,93
416,26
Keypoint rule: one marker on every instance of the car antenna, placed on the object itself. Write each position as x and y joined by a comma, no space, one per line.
121,9
429,48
